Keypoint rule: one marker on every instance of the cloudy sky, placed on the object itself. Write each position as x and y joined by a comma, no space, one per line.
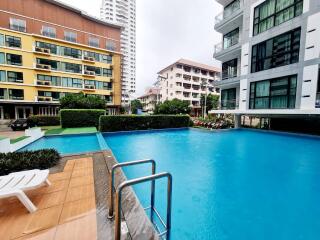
166,31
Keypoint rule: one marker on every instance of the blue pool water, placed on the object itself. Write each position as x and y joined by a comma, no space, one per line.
68,144
236,184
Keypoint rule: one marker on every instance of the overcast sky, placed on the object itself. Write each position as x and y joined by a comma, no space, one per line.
166,31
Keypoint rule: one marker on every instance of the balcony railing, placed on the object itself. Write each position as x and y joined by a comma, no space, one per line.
229,104
318,100
228,11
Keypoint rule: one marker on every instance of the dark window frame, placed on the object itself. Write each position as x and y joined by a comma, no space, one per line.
12,41
10,57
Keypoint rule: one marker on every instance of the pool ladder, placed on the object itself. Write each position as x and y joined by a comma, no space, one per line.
154,176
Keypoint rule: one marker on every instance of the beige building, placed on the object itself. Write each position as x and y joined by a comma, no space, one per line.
187,80
150,99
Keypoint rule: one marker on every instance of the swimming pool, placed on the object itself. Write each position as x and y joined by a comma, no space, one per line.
236,184
68,144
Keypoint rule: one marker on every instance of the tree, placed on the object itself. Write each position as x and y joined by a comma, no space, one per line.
135,105
81,101
174,106
212,101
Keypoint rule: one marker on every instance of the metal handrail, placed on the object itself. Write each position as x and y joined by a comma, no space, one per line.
111,182
142,180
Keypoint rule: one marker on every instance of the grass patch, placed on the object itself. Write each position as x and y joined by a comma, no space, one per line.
12,141
59,130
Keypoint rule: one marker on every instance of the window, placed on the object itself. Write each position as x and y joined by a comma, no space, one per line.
94,55
278,93
274,12
18,25
2,90
55,95
14,42
3,76
93,42
228,98
48,31
71,82
15,77
52,47
71,52
16,94
111,45
54,64
231,8
275,52
106,59
1,40
229,69
2,58
107,72
71,67
97,70
13,59
231,38
55,81
70,36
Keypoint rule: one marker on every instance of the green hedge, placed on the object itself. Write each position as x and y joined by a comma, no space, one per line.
136,122
28,160
73,118
37,120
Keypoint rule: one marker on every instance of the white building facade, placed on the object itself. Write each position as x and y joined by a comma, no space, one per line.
270,53
123,12
150,99
187,80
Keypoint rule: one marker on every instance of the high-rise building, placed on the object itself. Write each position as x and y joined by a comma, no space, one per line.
48,50
270,57
188,80
124,12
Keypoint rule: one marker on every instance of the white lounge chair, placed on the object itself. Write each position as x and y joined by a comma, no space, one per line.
16,183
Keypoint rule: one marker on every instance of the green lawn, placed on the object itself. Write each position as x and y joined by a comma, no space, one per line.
59,130
12,141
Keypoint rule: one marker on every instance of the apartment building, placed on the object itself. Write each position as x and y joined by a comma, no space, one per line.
123,12
270,57
48,50
187,80
150,99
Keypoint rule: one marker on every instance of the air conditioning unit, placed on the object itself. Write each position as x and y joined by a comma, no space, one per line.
91,73
44,99
43,50
43,83
43,66
92,87
86,58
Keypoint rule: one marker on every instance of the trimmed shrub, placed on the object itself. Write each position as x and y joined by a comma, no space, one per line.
82,101
39,121
28,160
137,122
73,118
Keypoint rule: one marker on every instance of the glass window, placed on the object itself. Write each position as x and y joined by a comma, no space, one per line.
14,59
3,76
18,25
229,69
274,12
71,67
279,51
97,70
111,45
71,52
15,77
48,31
231,8
107,72
70,36
228,98
16,94
54,64
14,42
106,59
93,55
278,93
2,93
2,58
93,41
52,47
231,38
1,40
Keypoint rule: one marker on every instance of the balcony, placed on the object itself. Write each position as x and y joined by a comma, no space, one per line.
318,100
229,104
224,52
231,17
